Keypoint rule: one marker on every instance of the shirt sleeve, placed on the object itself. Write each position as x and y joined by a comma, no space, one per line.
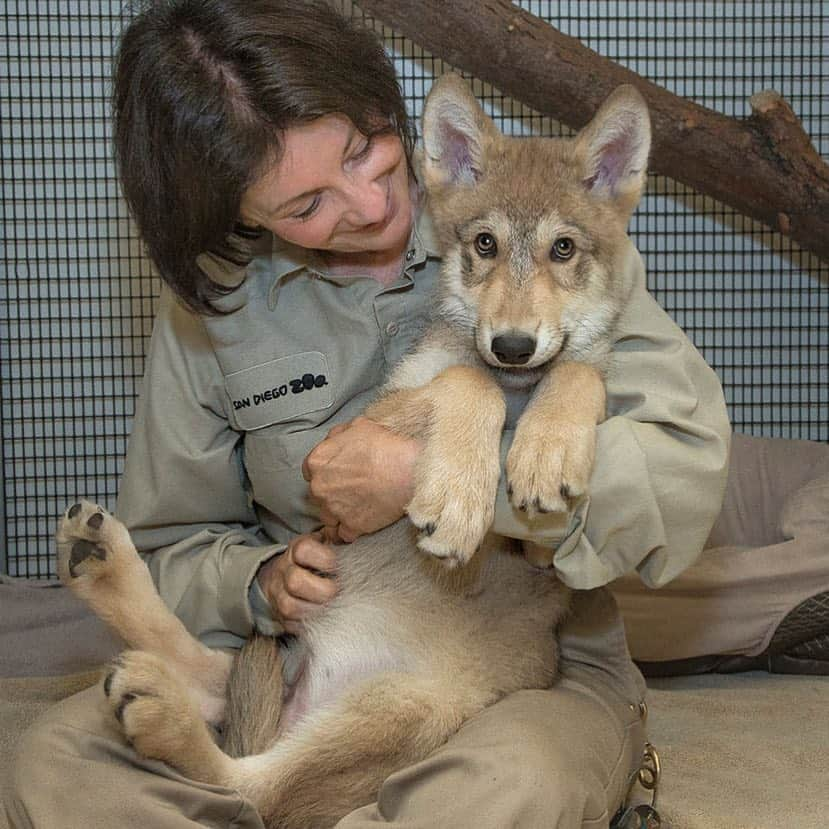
661,459
183,495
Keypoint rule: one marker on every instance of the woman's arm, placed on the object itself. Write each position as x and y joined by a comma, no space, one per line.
183,494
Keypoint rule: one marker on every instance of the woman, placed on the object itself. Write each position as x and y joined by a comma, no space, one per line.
265,153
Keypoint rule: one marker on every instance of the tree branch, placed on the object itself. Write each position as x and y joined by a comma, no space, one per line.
764,165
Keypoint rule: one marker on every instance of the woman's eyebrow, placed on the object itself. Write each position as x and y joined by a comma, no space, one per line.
349,139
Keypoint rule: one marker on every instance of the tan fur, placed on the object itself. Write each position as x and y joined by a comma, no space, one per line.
252,717
121,591
412,645
527,196
457,473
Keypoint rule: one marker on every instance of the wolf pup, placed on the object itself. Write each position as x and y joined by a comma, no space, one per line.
533,233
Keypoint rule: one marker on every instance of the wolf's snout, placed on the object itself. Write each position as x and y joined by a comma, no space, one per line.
513,349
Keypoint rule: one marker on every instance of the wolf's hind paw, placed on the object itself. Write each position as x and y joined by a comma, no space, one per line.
157,714
147,700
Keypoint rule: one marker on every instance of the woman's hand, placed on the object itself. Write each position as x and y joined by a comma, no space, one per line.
300,580
362,477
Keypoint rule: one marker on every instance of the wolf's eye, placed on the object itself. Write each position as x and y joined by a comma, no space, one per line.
563,248
485,244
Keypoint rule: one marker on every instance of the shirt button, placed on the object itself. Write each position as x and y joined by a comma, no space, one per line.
392,329
409,255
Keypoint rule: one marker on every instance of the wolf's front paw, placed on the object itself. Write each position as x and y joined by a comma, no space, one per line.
156,712
547,468
92,544
454,511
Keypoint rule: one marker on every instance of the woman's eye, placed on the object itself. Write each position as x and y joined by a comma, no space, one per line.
309,211
485,244
563,248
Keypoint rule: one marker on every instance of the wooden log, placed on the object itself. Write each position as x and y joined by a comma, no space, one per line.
764,165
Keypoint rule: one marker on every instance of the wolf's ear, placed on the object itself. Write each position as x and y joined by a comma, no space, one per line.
614,147
456,133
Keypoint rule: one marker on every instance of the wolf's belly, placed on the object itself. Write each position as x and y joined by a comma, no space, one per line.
344,650
399,611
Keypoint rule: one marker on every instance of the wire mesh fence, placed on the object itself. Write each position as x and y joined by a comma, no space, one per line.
78,294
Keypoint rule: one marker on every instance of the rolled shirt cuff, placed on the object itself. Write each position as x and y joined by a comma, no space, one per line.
261,611
234,596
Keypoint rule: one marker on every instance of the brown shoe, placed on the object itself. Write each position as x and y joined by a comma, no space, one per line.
800,645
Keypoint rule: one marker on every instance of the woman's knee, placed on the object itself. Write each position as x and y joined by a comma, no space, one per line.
34,761
78,746
55,742
566,753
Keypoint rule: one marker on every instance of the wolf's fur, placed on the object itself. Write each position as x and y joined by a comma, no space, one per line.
412,645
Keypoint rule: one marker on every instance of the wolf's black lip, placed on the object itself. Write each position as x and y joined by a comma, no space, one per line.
521,369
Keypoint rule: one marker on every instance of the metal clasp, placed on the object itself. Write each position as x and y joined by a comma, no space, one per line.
643,815
650,772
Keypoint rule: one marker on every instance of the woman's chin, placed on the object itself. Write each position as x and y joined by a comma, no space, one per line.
391,241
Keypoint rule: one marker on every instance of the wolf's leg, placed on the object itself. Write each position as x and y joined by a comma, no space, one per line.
335,760
99,563
552,454
459,415
159,715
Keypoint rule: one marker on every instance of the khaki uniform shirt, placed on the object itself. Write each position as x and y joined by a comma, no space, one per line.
230,406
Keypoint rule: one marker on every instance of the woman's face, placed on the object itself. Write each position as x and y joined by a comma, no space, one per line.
334,189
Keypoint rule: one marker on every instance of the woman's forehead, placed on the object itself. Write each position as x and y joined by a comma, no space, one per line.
309,153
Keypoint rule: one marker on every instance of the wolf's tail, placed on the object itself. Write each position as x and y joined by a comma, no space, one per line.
254,698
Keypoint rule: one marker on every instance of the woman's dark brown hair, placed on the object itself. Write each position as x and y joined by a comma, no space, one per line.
203,90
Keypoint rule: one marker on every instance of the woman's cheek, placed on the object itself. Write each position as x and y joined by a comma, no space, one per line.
311,234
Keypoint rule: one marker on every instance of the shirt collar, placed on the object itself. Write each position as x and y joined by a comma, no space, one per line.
227,268
287,259
425,239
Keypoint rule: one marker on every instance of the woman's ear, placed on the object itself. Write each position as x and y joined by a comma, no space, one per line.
614,148
456,134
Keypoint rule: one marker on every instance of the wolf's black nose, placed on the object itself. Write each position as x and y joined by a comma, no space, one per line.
513,349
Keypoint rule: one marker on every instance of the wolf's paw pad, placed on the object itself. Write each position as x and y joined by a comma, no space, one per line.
151,705
87,539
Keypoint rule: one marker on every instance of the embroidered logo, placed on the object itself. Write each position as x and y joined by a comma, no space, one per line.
279,390
304,383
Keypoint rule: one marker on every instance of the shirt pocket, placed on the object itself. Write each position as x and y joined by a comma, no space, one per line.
273,461
343,385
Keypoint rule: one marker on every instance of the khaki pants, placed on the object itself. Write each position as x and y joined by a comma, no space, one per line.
767,553
556,758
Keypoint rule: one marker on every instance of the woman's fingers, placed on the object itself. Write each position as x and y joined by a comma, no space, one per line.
300,580
311,553
347,534
309,586
291,612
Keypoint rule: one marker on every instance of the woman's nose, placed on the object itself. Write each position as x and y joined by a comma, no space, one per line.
368,201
